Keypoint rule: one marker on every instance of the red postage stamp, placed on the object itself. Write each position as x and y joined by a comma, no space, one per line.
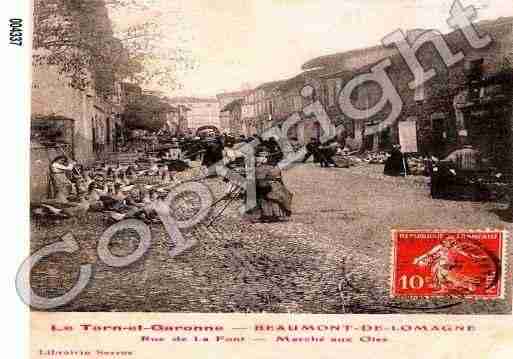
448,263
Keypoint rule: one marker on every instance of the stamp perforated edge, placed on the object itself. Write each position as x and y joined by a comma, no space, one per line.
504,263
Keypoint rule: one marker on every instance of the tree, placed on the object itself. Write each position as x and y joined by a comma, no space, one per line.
77,36
149,43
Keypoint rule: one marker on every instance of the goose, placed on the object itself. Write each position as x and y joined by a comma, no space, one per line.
69,209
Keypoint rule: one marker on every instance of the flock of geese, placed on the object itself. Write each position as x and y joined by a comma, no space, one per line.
119,191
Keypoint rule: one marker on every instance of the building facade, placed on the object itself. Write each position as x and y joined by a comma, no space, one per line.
224,100
432,107
202,111
258,108
232,114
248,114
62,122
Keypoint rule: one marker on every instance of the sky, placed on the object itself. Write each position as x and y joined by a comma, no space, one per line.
241,43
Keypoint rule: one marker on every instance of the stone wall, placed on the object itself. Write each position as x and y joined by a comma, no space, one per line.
54,99
439,91
52,96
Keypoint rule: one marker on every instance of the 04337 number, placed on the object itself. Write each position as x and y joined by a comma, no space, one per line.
16,32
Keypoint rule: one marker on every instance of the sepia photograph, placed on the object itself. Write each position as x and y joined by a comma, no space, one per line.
270,156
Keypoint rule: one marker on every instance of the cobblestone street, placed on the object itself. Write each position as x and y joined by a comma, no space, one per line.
333,256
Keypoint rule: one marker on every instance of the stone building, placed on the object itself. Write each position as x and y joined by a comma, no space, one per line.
62,120
432,107
68,121
77,106
264,105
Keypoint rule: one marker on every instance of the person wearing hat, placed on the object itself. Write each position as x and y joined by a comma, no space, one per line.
175,153
213,154
61,170
274,200
396,164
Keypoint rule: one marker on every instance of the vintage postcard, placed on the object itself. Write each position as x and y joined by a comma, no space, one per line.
269,178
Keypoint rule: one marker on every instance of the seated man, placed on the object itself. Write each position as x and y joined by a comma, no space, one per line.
455,175
313,150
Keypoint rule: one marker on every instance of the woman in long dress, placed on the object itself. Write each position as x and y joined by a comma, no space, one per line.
274,200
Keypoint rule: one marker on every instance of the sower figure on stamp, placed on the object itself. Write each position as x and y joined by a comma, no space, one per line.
444,267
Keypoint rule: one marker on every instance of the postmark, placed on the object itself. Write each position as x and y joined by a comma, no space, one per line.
439,263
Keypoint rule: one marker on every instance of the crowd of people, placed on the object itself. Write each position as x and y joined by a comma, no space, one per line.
129,190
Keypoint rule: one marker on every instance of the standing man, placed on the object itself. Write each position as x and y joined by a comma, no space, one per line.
60,173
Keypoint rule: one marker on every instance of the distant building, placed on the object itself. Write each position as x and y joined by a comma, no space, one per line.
150,112
257,109
203,111
287,99
232,113
248,114
224,99
264,105
178,123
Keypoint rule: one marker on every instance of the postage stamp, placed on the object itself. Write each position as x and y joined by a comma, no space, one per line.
434,263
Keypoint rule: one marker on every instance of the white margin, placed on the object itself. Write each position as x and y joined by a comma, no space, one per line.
14,179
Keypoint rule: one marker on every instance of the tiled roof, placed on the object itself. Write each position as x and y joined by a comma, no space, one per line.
270,85
301,79
340,62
